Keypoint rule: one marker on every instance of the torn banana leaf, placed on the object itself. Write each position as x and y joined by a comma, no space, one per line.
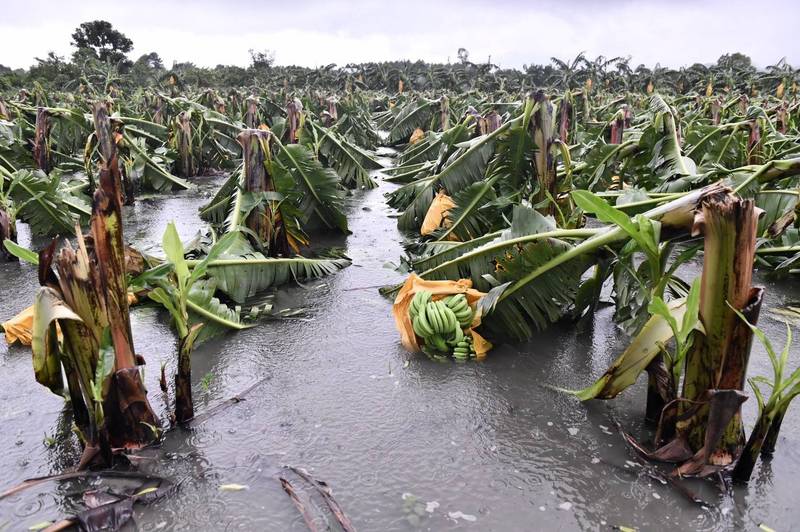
216,316
48,307
350,162
242,272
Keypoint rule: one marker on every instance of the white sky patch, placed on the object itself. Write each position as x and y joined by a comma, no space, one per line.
512,32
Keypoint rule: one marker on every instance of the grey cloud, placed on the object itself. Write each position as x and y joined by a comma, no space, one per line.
513,32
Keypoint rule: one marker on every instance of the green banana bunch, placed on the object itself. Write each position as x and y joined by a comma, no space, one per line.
440,323
464,349
458,304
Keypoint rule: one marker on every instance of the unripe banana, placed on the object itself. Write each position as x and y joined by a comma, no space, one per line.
464,321
457,303
458,336
418,330
463,313
424,324
438,342
432,313
448,317
418,302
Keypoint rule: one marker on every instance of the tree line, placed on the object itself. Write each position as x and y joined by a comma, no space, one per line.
101,61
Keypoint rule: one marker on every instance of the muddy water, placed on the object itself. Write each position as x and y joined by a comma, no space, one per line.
406,443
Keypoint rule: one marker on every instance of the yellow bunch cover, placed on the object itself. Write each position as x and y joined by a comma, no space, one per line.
416,136
20,327
438,290
436,216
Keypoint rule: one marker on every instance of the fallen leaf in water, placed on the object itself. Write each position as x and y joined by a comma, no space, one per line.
765,528
572,431
233,487
40,526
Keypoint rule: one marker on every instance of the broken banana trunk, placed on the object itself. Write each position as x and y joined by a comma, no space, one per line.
183,145
41,140
543,132
8,230
718,359
93,285
265,220
184,405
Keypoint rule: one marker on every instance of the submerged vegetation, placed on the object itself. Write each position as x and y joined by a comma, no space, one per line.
525,199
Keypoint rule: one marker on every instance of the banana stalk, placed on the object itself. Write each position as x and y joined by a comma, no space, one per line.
251,118
566,118
41,141
264,222
444,113
182,142
8,230
718,359
544,161
184,405
127,411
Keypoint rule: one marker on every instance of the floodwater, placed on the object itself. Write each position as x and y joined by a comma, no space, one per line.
406,443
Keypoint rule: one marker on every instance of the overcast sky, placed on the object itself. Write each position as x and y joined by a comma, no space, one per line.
513,32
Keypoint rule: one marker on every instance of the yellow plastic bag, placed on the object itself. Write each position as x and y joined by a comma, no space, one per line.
416,136
438,290
20,327
436,216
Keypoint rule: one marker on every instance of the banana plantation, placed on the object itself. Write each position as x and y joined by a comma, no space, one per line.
402,296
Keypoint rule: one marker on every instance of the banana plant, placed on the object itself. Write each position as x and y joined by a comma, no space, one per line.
178,290
84,292
784,388
276,193
699,428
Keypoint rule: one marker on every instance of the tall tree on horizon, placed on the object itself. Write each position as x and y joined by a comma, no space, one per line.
101,40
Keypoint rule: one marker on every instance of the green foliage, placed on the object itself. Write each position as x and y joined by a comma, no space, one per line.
101,39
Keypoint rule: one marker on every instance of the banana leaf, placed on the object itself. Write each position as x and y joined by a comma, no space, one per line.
216,316
350,162
308,186
151,168
48,307
636,357
415,114
218,209
49,204
467,166
241,272
473,214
